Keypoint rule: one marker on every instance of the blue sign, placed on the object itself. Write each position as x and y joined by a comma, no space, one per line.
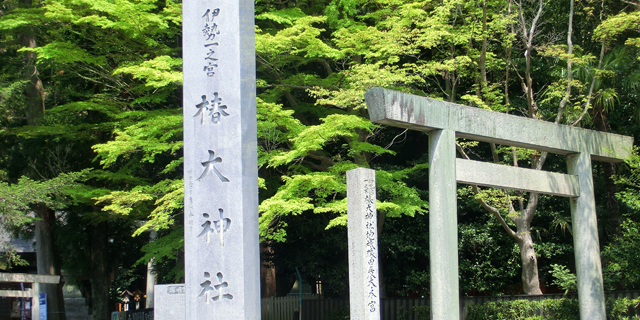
43,306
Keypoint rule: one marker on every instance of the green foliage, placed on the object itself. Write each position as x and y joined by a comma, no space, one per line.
150,133
299,37
20,18
613,26
631,194
487,265
516,309
324,192
111,70
564,279
276,127
9,258
619,308
551,309
136,19
122,282
121,202
164,250
340,313
64,53
167,207
157,73
422,312
621,257
315,62
333,127
23,196
404,252
112,73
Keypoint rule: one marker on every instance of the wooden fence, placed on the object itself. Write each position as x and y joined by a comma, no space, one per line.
284,308
141,314
390,309
314,308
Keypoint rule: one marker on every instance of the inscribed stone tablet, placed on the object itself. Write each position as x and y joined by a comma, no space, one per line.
168,303
222,259
364,283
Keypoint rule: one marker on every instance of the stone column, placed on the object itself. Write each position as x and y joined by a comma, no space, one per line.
35,301
364,283
222,256
443,225
585,241
151,274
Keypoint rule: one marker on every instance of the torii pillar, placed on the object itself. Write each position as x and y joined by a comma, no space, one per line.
444,121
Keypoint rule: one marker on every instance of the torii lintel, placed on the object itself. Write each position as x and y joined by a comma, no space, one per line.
405,110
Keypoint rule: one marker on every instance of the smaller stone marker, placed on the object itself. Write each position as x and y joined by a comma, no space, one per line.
364,283
168,302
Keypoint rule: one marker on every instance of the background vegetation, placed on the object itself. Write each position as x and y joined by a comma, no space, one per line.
91,135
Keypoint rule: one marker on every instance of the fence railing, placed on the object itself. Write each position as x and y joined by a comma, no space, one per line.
314,308
284,308
141,314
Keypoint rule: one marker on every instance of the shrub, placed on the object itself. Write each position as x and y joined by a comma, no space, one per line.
550,309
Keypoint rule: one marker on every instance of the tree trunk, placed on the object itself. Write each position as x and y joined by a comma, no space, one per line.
46,262
267,272
612,202
34,91
45,252
450,78
362,158
482,60
99,275
530,281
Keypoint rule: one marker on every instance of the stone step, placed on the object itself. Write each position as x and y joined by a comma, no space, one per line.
76,309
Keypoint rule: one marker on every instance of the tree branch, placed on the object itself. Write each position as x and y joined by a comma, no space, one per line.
631,3
593,84
567,94
325,162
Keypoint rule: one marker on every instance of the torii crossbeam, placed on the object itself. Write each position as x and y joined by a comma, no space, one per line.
444,121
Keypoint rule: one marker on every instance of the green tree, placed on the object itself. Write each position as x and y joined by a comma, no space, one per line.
305,157
620,255
104,67
110,74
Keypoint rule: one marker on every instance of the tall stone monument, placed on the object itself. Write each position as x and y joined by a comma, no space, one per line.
364,282
445,121
222,259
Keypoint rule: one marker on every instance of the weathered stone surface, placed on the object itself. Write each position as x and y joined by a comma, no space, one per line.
443,225
222,260
585,241
27,293
364,282
501,176
28,277
404,110
169,302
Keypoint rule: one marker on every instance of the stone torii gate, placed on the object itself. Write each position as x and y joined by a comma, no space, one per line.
444,121
33,292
